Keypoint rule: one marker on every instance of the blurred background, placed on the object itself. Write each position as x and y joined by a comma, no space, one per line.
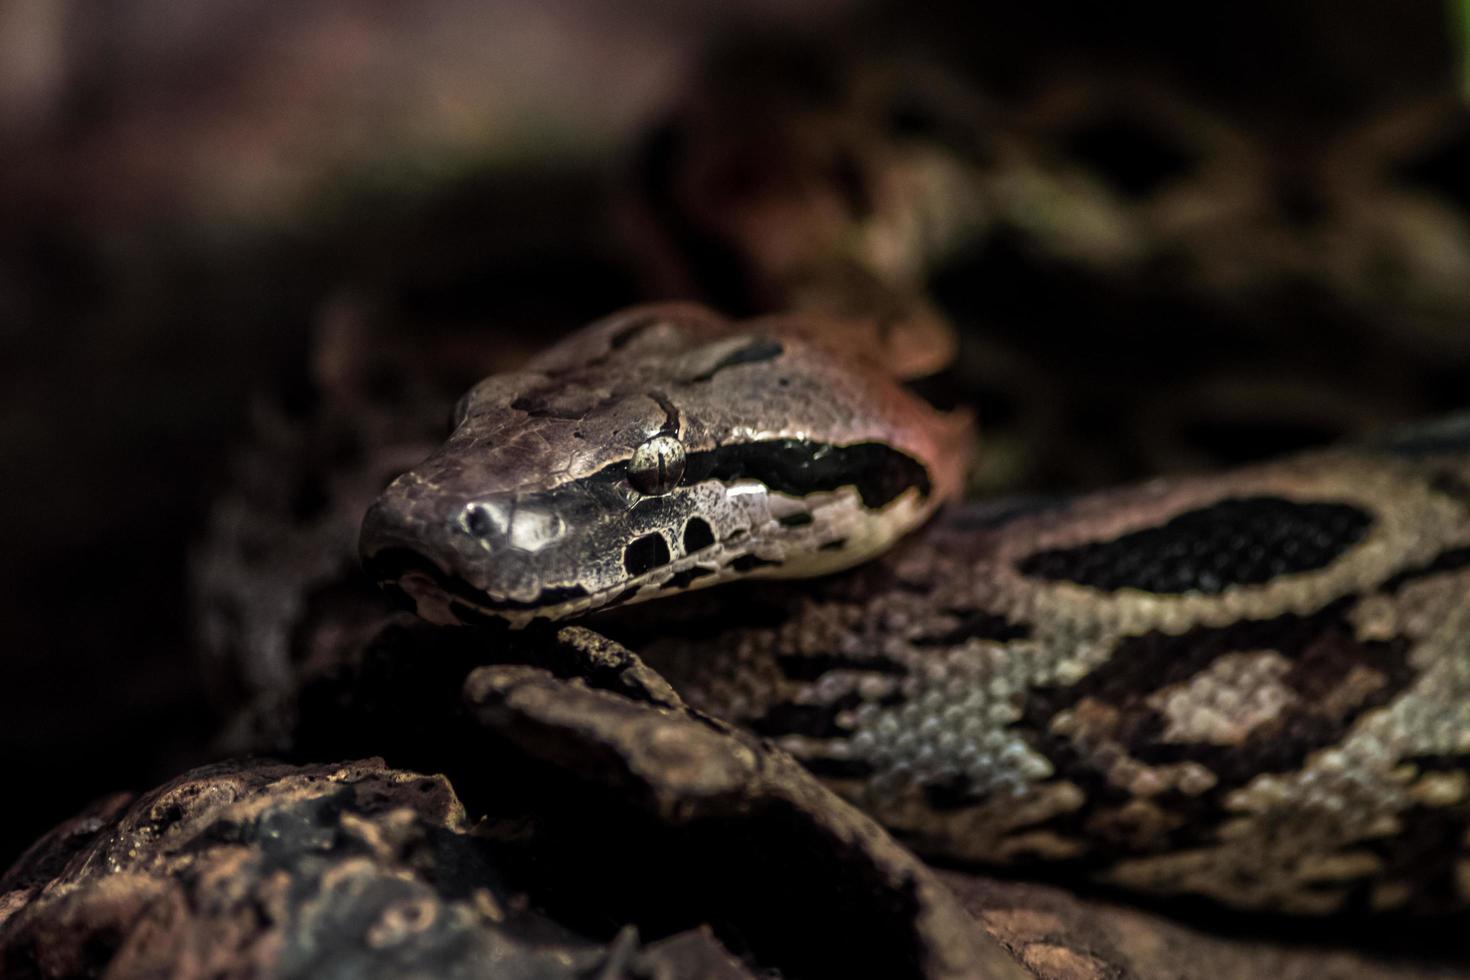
1170,237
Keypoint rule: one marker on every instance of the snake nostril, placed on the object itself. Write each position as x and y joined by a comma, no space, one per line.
645,554
478,522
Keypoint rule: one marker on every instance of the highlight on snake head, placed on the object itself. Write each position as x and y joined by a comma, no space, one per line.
659,450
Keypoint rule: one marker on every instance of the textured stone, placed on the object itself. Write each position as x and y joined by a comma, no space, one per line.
261,868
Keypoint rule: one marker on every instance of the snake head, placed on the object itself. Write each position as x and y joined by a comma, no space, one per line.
662,449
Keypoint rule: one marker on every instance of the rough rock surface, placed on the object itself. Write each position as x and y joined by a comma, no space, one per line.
262,868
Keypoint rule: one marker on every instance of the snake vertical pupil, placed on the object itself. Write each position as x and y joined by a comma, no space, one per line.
657,465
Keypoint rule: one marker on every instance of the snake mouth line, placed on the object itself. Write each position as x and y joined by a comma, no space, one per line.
447,598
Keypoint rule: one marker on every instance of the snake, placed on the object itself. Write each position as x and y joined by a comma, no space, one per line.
1249,687
1243,685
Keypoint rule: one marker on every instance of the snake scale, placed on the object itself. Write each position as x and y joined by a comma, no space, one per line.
1251,686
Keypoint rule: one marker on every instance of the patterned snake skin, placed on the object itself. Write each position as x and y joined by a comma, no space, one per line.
1250,685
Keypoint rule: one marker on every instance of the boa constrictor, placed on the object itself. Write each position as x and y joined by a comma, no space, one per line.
1252,686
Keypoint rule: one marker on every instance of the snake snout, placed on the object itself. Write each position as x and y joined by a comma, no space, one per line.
418,558
450,535
460,558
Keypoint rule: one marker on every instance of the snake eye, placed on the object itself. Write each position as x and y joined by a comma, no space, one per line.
657,465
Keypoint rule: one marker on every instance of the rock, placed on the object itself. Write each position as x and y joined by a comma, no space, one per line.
263,868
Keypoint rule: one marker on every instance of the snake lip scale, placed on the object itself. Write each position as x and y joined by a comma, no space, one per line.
443,596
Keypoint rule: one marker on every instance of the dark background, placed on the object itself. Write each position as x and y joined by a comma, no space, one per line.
182,186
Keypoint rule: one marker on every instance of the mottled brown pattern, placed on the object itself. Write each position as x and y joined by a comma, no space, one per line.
1064,682
1258,746
266,869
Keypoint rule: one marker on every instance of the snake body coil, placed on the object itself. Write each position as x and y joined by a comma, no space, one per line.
1252,686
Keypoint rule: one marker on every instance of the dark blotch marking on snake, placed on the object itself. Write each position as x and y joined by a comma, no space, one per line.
975,625
1417,856
1322,649
539,410
645,554
1452,560
1238,541
671,413
799,467
697,535
752,353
